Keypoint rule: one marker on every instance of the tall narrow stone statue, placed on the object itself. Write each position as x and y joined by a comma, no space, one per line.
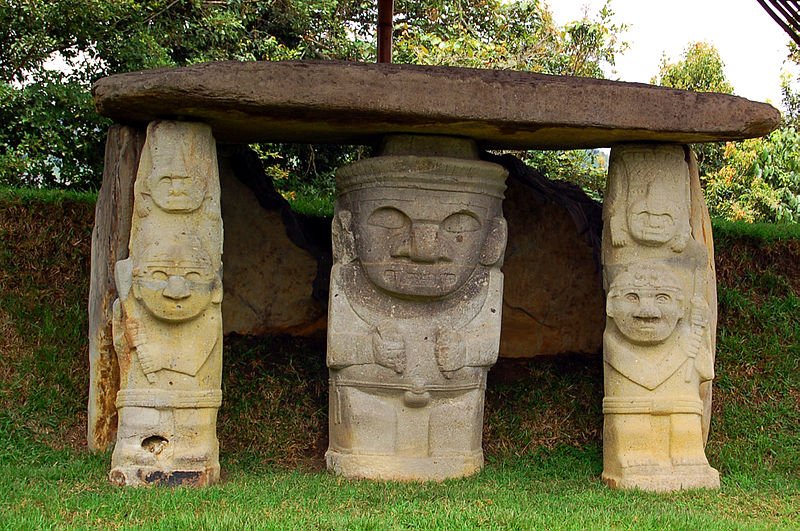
415,307
167,322
658,342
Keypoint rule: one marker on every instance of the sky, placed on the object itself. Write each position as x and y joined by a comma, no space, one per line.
752,46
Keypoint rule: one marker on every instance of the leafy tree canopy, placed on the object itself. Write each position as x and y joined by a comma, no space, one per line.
759,181
700,69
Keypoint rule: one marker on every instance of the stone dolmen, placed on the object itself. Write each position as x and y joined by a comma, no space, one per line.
416,313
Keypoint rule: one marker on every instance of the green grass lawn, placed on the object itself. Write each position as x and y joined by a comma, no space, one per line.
543,490
542,427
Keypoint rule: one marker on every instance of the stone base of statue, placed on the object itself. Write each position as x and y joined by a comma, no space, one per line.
138,476
655,450
401,468
396,432
163,445
663,478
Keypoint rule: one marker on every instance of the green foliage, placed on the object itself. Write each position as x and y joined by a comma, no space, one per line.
44,195
726,231
760,180
50,135
514,35
790,92
701,69
586,168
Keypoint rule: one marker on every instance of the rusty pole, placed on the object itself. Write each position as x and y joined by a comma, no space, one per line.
385,28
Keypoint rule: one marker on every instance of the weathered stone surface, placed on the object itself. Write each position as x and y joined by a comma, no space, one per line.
700,220
109,244
167,323
657,347
415,309
355,103
553,299
268,278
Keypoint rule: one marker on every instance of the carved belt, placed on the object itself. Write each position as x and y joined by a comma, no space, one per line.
414,395
466,386
651,406
162,399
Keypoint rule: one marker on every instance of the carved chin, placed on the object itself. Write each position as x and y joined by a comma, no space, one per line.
653,236
646,333
178,204
175,311
419,280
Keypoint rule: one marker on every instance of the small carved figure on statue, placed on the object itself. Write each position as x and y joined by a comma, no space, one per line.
657,352
177,170
414,315
648,199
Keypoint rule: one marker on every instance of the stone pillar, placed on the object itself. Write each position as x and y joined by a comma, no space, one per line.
415,308
167,323
658,346
110,236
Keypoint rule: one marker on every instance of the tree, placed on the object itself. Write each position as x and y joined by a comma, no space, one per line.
759,181
700,69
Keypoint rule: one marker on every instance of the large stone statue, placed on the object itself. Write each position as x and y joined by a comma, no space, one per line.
658,343
167,322
415,307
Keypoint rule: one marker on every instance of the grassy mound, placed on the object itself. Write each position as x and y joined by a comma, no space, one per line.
543,419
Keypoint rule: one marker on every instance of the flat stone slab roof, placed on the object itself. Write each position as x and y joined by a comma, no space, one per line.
354,103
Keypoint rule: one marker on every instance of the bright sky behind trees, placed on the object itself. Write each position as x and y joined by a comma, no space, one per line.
751,44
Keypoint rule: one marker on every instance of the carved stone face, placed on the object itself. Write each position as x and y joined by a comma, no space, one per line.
645,309
178,162
652,222
422,243
176,283
176,192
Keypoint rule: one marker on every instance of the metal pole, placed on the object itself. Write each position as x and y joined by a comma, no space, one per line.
385,28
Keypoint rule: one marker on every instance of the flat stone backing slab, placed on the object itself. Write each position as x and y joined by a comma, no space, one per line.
354,103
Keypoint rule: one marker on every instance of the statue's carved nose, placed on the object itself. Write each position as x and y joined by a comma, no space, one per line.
177,288
647,310
424,242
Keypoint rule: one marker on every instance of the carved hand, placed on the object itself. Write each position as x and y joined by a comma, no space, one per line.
619,237
136,335
149,362
679,242
389,348
451,351
137,339
699,313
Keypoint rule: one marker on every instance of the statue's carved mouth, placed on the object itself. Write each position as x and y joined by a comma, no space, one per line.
405,279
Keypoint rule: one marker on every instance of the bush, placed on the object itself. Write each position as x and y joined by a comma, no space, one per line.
760,180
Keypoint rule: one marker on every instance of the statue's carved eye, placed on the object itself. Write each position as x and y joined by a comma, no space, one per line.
388,218
193,276
632,297
663,298
159,275
461,222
